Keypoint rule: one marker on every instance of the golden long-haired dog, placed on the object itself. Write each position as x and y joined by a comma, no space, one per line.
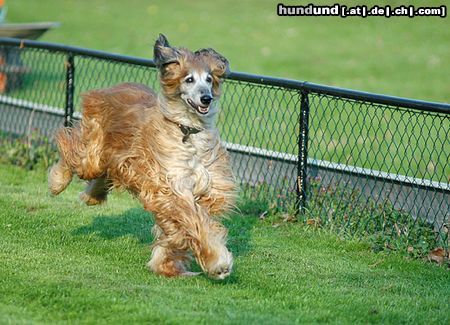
165,150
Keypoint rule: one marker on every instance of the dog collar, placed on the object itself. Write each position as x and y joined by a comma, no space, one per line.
187,131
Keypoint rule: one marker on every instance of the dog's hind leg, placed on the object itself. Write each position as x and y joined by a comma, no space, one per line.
59,177
96,191
80,150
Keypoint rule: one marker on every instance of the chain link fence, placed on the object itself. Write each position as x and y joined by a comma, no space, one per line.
352,160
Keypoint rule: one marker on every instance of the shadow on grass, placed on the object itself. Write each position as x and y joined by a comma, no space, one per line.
138,223
135,222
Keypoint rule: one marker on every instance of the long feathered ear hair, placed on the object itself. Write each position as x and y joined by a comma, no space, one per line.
218,63
163,53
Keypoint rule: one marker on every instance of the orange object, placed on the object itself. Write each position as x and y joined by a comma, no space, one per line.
2,2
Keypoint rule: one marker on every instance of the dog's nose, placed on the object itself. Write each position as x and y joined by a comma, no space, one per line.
206,99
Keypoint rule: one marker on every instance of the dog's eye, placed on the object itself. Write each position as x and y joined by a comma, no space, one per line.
208,79
189,80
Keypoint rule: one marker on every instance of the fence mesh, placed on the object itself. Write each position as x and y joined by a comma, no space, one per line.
389,163
372,168
260,127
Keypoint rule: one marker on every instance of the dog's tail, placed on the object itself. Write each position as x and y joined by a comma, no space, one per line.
79,147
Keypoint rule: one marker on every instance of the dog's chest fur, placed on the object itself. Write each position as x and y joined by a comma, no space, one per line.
193,172
188,165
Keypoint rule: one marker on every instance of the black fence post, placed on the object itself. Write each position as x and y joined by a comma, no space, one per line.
70,87
302,152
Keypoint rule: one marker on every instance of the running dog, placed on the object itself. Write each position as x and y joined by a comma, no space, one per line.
164,149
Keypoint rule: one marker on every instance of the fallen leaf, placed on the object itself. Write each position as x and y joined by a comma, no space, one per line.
314,222
437,255
410,249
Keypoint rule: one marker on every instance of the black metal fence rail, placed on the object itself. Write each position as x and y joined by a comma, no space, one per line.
288,139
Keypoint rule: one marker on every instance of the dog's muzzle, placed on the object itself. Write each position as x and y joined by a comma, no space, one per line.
202,109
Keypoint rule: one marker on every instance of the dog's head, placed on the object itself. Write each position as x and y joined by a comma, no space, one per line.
192,78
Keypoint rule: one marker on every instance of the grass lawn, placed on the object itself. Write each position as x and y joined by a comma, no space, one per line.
64,262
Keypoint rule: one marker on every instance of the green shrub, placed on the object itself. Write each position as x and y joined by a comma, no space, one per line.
29,152
387,228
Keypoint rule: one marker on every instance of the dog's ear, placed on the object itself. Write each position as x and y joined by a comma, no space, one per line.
163,53
217,62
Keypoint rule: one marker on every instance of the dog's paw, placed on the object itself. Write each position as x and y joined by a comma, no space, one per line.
223,266
220,272
59,178
91,200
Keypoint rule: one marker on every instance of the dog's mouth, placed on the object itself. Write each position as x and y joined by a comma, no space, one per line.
199,108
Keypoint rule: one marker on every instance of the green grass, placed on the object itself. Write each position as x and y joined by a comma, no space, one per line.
64,262
398,56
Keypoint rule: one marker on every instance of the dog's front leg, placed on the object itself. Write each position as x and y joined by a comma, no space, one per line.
209,246
185,225
165,260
